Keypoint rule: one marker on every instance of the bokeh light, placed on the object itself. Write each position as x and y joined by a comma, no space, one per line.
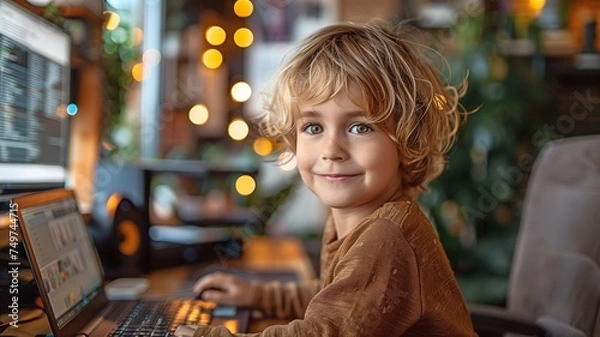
536,6
198,114
215,35
243,8
241,91
61,111
138,36
287,161
212,58
72,109
440,101
262,146
137,72
245,185
243,37
113,20
238,129
151,57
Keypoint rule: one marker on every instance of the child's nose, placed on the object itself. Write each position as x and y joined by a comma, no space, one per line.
333,148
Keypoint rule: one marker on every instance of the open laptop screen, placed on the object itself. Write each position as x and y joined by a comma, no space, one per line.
62,252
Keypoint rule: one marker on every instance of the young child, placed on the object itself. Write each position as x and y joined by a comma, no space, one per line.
369,121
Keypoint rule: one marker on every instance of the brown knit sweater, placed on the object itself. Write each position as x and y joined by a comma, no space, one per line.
387,277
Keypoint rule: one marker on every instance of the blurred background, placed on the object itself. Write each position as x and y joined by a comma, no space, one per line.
169,88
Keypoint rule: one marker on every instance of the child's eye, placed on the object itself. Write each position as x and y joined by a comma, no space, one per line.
360,128
312,129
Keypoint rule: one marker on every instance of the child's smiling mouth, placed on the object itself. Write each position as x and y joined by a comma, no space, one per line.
337,177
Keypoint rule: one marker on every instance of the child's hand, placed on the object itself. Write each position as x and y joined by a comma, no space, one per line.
201,330
225,288
185,330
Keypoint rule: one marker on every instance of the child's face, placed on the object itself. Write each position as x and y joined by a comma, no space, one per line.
348,162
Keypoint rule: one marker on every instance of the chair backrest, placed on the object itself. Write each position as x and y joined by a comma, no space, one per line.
555,270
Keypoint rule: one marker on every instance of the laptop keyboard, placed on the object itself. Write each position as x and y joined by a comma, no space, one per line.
161,318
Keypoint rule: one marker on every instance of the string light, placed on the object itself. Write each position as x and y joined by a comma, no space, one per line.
243,8
262,146
241,91
198,114
215,35
243,37
137,72
212,58
238,129
245,185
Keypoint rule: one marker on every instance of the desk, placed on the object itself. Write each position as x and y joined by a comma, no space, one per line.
260,253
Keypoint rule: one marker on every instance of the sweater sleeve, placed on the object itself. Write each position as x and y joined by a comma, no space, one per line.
284,300
374,291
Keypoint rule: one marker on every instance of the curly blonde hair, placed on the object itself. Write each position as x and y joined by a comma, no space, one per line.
401,91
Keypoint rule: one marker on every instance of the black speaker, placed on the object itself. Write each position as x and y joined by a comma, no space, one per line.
119,224
123,245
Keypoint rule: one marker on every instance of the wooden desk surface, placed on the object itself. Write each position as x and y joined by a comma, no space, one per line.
260,253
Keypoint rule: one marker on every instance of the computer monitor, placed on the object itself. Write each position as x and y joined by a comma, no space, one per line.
35,73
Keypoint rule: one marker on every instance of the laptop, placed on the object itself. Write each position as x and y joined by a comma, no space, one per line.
70,279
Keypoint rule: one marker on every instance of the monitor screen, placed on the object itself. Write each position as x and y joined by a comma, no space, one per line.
35,73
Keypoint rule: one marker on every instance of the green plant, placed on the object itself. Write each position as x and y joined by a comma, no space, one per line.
53,14
476,203
119,53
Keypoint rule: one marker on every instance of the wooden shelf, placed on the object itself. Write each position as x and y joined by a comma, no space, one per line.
195,168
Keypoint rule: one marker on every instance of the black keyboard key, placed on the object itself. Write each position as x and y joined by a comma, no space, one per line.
158,318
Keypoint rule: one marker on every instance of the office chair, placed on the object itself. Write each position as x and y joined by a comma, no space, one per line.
554,285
